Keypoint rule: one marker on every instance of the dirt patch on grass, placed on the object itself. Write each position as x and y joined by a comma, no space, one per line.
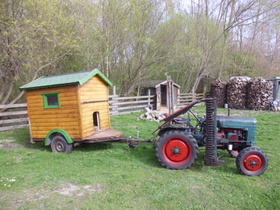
37,197
8,144
78,190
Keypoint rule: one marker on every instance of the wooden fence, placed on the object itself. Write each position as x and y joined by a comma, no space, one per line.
15,116
187,98
125,105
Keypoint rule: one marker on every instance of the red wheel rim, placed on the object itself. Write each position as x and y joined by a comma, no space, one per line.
253,162
177,151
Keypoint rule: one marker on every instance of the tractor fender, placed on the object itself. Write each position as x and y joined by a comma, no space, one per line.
55,132
163,130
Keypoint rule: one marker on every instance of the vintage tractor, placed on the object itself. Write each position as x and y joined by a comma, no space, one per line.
177,146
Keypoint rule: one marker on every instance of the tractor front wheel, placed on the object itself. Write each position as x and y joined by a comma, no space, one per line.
60,145
176,150
252,161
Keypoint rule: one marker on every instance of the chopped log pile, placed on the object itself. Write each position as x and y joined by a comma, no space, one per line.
259,94
241,93
218,91
236,93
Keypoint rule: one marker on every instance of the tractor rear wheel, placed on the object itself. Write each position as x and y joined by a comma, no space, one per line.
60,145
176,150
252,161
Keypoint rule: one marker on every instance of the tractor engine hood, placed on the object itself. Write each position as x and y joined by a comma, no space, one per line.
236,122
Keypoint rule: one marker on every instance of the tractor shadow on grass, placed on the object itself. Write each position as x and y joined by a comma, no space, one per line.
228,168
144,153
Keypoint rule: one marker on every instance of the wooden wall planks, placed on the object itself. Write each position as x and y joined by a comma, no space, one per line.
44,120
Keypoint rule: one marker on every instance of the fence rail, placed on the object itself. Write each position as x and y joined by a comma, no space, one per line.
125,105
15,116
187,98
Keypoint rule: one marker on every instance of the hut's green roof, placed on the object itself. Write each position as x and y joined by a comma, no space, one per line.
64,80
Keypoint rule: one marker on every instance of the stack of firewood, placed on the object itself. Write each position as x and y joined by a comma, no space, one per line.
218,91
152,115
241,93
237,93
259,94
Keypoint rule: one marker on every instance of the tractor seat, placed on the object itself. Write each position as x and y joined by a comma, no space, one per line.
180,120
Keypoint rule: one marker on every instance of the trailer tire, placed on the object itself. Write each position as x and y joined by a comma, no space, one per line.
252,161
60,145
176,150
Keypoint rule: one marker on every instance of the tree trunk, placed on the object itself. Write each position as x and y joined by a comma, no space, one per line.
9,92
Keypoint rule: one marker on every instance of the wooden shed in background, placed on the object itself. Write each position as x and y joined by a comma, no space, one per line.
75,105
166,92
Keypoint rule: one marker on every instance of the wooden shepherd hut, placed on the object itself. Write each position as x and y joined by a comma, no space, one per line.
166,92
72,105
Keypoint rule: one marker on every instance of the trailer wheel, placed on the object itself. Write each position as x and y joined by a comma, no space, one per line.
252,161
176,150
60,145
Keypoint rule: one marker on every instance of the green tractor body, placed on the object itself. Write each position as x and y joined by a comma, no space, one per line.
237,130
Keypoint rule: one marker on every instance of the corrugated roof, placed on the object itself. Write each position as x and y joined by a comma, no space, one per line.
151,83
156,83
64,80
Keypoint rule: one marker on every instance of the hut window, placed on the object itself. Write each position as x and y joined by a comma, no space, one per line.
51,100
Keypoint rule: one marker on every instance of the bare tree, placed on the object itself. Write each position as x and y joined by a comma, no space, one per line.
36,39
132,45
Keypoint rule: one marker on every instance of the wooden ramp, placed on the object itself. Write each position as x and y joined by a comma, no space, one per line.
105,135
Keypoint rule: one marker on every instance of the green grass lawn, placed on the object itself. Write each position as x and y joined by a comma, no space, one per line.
113,176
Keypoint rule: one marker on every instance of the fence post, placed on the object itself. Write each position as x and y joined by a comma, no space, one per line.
178,98
30,132
114,102
149,99
193,97
114,90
